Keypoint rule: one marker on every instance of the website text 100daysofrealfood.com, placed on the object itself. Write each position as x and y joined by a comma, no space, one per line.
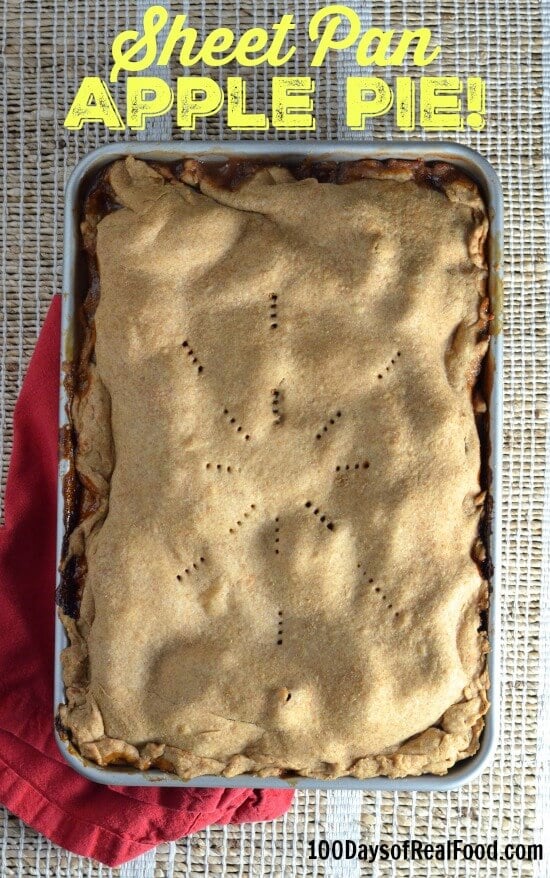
416,850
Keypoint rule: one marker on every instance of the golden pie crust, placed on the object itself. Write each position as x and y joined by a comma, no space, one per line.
273,545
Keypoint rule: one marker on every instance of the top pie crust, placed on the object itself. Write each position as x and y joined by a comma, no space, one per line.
277,545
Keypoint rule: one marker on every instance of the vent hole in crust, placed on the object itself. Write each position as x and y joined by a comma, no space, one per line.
389,364
218,467
232,421
323,519
239,522
273,321
280,628
277,540
276,406
377,590
329,423
191,354
192,567
347,467
365,573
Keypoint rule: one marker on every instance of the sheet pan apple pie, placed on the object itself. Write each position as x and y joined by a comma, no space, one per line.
274,560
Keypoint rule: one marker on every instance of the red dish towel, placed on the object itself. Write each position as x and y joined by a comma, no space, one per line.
110,824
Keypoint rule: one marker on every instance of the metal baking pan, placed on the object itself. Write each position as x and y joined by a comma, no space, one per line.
484,175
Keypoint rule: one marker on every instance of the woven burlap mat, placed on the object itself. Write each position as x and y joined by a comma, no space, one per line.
47,47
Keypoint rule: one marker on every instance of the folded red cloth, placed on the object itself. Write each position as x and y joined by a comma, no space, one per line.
110,824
